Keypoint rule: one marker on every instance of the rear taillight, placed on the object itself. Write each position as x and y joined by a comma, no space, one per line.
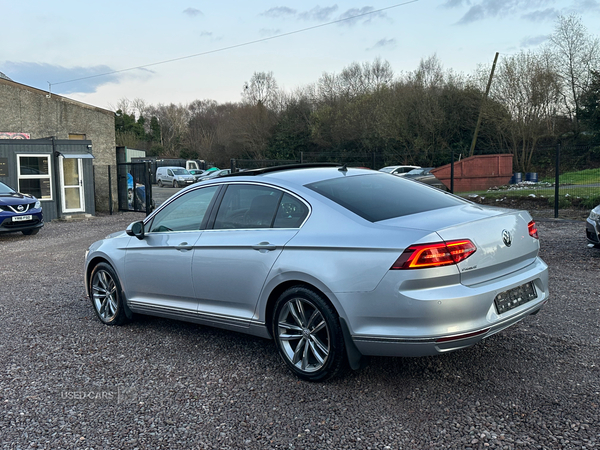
532,230
434,255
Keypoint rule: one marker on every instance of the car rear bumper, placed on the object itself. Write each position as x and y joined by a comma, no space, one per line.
432,321
385,346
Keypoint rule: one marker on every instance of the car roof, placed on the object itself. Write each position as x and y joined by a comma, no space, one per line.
299,174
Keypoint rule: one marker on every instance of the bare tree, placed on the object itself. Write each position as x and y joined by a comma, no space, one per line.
206,116
173,120
529,89
575,55
355,80
123,104
429,74
380,74
261,89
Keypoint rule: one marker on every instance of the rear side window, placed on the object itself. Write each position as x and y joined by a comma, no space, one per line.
380,197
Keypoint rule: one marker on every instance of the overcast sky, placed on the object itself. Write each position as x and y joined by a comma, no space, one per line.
215,46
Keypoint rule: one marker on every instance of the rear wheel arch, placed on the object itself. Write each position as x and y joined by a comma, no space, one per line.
280,289
308,333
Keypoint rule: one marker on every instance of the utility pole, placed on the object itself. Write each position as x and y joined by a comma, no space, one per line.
487,92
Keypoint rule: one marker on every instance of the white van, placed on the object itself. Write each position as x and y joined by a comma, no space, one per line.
173,176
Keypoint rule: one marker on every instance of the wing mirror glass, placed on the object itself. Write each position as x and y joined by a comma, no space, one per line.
136,229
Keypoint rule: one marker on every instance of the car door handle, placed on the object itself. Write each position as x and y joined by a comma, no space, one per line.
264,246
184,246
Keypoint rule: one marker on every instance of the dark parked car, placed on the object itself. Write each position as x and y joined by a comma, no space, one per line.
332,263
424,175
210,174
197,173
19,212
592,227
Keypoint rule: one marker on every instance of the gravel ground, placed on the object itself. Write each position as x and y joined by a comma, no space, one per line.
67,381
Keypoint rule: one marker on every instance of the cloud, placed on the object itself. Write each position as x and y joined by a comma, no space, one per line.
268,32
455,3
192,12
38,75
474,14
544,15
585,6
279,11
362,14
533,41
382,43
326,14
318,13
491,9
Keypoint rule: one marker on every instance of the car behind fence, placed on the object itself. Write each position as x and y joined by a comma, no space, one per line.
573,183
564,179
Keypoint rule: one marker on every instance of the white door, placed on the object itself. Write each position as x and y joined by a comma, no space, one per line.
71,183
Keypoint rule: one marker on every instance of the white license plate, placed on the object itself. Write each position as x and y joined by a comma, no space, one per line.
21,218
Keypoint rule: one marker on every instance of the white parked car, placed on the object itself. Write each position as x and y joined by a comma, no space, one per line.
398,170
173,176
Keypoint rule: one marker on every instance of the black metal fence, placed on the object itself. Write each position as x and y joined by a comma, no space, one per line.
560,178
134,186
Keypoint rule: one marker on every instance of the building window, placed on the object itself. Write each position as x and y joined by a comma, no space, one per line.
34,176
77,136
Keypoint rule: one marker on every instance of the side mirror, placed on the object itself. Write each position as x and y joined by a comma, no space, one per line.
136,229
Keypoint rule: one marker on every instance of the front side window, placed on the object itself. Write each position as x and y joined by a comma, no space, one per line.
34,176
185,213
252,206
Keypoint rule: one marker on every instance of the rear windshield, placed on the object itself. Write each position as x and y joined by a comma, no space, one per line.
382,197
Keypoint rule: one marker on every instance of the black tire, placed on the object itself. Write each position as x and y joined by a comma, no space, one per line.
175,184
31,231
106,295
160,183
308,335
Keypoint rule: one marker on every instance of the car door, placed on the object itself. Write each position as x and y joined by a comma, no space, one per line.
234,255
158,268
170,176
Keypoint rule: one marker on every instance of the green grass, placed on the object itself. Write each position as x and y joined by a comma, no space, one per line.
588,176
572,191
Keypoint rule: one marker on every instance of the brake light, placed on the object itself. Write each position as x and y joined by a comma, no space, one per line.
533,231
434,255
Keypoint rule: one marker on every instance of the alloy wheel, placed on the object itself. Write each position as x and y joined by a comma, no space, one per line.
104,295
304,335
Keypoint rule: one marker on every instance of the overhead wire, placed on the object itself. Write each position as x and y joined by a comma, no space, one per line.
230,47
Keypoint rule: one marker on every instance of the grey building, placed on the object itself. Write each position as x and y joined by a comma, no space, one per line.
59,173
56,120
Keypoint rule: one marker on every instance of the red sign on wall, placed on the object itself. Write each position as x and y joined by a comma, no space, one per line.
6,135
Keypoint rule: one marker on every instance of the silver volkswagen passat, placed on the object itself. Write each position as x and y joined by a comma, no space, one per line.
333,263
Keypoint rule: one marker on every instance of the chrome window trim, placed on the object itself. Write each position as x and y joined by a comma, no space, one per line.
225,184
